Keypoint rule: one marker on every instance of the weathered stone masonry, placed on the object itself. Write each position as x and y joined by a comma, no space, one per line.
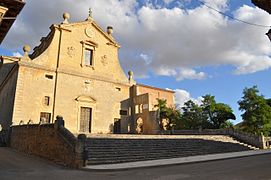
50,141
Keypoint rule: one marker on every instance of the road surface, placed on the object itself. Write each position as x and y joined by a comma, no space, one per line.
18,166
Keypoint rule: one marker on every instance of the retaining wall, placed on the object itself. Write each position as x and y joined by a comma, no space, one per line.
255,140
50,141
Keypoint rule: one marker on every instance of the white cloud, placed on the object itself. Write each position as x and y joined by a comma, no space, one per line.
17,54
180,73
146,58
175,41
255,64
165,71
186,73
182,96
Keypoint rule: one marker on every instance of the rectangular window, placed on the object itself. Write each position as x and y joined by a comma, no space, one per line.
45,117
46,101
88,57
85,119
130,111
48,76
118,88
123,112
136,109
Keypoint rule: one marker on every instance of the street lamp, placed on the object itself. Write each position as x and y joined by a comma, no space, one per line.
269,34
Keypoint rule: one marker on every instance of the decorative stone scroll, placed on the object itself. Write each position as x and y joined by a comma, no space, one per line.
71,51
104,60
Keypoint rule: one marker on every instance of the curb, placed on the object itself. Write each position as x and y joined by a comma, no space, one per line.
173,161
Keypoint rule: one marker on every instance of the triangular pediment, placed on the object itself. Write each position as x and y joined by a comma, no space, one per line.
84,98
112,41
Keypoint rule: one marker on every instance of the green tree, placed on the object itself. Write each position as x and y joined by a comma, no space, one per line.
215,115
162,110
257,112
172,114
192,116
208,108
221,114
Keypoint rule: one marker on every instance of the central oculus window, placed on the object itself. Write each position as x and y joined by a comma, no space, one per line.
88,57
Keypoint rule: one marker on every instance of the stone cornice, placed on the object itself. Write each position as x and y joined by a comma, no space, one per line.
92,77
71,72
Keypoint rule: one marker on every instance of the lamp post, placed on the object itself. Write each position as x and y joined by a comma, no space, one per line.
269,34
265,5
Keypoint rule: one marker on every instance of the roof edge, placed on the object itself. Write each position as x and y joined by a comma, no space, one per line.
152,87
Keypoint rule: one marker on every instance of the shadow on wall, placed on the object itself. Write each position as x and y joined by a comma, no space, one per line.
111,128
8,81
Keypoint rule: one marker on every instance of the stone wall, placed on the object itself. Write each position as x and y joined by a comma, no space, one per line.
255,140
201,132
50,141
252,139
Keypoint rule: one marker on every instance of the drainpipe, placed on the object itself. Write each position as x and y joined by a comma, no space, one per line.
56,71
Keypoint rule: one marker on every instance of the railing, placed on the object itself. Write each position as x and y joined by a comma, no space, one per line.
255,140
67,136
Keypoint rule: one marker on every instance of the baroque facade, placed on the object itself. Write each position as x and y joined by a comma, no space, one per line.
75,72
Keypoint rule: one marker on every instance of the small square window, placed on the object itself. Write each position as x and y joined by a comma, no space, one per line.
123,112
88,57
46,101
48,76
45,117
118,88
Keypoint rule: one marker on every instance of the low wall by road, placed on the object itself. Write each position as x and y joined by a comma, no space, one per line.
255,140
50,141
201,132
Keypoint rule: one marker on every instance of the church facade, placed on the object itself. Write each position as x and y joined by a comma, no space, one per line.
75,72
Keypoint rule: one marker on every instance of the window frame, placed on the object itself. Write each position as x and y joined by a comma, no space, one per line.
89,61
91,46
44,115
46,101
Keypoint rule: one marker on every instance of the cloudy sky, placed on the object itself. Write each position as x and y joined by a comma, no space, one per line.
184,45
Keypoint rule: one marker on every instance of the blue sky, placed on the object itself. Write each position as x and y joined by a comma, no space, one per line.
181,45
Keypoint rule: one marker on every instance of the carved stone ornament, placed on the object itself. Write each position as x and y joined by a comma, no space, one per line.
71,51
89,32
104,60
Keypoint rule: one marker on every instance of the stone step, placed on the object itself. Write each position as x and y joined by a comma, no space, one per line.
131,153
110,150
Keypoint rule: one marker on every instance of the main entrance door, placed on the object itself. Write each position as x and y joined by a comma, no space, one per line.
85,119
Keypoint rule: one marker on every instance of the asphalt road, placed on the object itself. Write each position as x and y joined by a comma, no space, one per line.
18,166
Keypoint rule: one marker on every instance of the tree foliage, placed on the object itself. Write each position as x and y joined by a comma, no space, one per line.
257,111
192,116
208,115
172,114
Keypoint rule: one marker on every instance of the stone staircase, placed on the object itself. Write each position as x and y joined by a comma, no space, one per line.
108,149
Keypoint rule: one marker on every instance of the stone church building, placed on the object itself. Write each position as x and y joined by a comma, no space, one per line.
75,72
